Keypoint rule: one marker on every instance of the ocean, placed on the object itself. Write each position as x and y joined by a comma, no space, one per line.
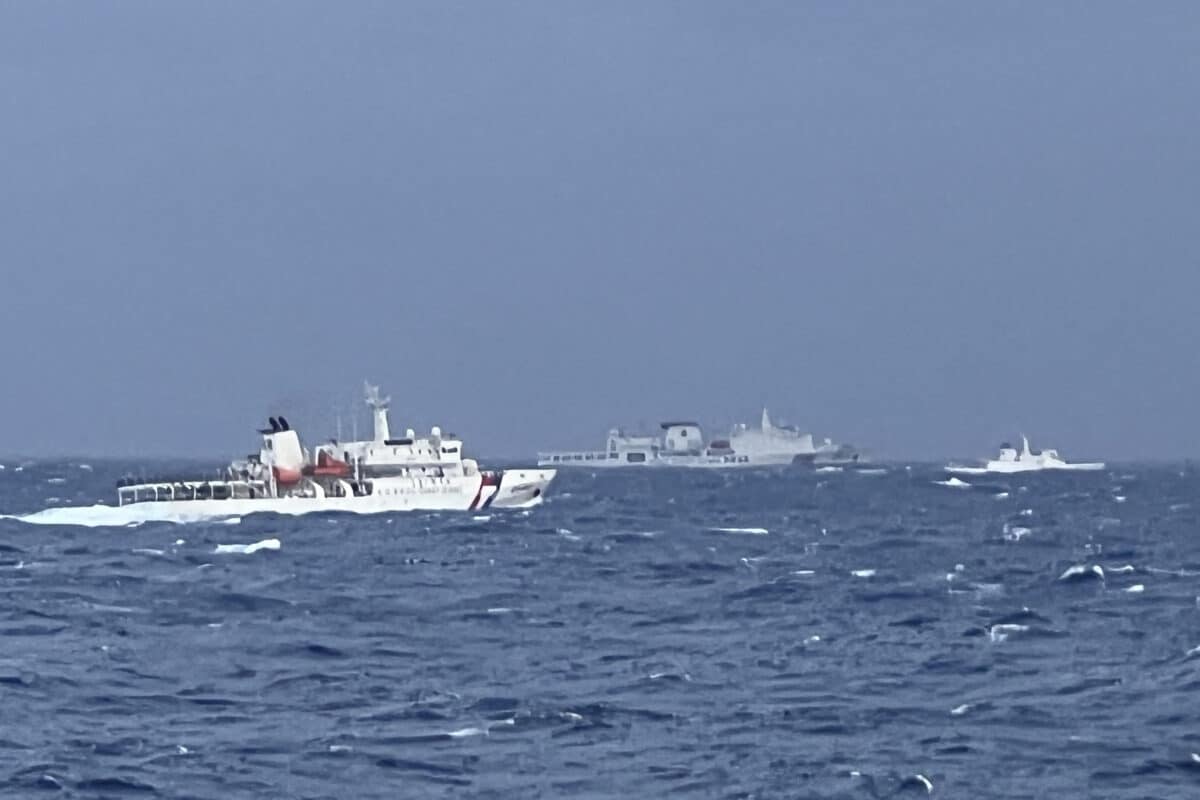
786,634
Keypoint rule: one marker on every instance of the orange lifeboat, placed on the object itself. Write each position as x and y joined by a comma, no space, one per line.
286,477
329,466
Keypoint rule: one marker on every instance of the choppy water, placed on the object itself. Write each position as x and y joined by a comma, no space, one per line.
641,635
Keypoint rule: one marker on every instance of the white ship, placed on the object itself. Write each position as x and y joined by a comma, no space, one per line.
1012,461
682,444
383,474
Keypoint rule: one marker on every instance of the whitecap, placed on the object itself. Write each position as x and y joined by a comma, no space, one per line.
924,782
56,481
1136,588
1027,512
954,483
247,549
1001,632
863,573
85,467
99,515
481,517
1119,498
500,610
463,732
148,551
958,711
1125,568
804,572
1080,571
1015,533
232,521
752,531
1001,495
1179,573
1195,651
828,469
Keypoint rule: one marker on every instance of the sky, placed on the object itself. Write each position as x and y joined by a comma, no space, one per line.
919,227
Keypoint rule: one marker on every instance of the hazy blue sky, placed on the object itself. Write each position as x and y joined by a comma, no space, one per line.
921,227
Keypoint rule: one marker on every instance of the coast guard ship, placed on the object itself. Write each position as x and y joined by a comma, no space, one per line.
682,444
385,473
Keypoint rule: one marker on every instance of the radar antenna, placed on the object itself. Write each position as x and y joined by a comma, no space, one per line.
373,397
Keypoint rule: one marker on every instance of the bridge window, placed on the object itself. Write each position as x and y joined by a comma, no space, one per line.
635,458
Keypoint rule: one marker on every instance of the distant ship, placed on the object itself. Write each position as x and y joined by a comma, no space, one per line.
682,444
382,474
1012,461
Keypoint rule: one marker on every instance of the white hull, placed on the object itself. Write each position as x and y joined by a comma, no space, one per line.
1014,469
517,489
719,462
1014,462
683,445
687,462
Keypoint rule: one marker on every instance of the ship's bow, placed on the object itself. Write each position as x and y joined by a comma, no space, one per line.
522,488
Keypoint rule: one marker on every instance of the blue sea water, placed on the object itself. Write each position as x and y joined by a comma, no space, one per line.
641,634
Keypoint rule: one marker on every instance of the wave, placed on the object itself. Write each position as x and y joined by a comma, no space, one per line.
247,549
104,516
954,483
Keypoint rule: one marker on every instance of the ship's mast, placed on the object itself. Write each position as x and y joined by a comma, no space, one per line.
379,405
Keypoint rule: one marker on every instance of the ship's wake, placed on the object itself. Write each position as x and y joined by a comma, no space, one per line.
104,516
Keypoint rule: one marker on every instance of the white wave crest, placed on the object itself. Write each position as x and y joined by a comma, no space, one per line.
247,549
1000,633
104,516
954,483
1082,571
